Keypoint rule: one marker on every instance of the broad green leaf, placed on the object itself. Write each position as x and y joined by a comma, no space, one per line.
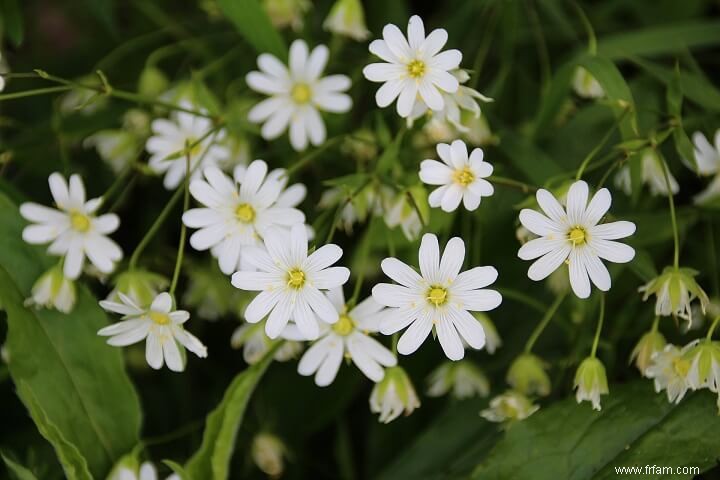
11,21
660,40
19,472
212,460
254,25
534,163
553,98
66,375
635,427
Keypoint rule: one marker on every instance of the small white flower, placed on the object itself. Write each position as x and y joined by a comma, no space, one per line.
462,177
4,69
238,211
255,344
53,290
147,471
400,211
297,95
290,282
172,137
348,337
287,13
669,369
707,158
573,235
704,359
492,338
267,452
159,325
461,379
393,395
120,147
585,84
591,382
73,229
676,291
416,70
347,18
651,174
508,407
440,298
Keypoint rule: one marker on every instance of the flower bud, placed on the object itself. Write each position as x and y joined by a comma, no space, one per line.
393,395
54,290
585,84
650,343
347,18
704,365
461,379
591,382
675,290
527,375
285,13
152,82
267,452
508,407
492,338
140,286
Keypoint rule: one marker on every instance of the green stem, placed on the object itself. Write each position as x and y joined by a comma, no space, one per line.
363,260
310,156
673,218
599,326
183,228
395,338
120,181
712,328
32,93
509,182
592,39
154,228
598,147
544,322
655,324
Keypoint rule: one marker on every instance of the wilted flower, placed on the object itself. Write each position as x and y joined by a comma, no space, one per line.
461,379
287,13
707,158
527,375
255,344
347,18
649,344
53,290
669,369
675,290
651,167
509,407
492,338
393,395
268,453
585,84
591,382
704,359
140,286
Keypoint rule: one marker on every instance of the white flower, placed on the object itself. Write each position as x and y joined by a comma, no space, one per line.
704,359
348,337
461,177
649,344
440,298
401,211
347,18
585,84
492,338
53,290
461,379
297,94
159,325
651,174
238,211
285,13
707,158
73,229
290,282
120,147
393,395
669,368
168,147
573,235
591,382
147,471
4,69
141,286
510,406
676,291
255,344
267,452
416,70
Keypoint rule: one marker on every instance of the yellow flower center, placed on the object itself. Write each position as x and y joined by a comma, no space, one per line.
344,326
437,295
416,68
195,147
296,278
245,213
464,177
79,221
577,236
681,366
301,93
159,318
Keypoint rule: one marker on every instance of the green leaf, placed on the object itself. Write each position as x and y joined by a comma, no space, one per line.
74,385
19,472
674,98
11,21
635,427
643,265
391,154
660,40
212,460
253,23
533,162
177,468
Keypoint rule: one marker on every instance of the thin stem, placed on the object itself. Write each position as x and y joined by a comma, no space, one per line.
544,322
120,181
154,228
541,44
395,338
655,323
599,326
32,93
310,156
712,328
363,260
509,182
598,147
673,218
183,228
592,40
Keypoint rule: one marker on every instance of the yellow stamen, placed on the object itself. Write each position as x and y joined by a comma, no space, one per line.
437,295
344,326
577,236
245,213
464,177
301,93
681,366
296,278
160,318
79,221
416,68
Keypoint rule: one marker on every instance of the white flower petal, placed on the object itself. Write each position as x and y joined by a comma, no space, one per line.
154,351
612,251
548,263
613,230
415,335
577,196
429,257
449,338
400,272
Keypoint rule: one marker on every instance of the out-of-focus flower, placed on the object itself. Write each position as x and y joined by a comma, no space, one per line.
492,338
573,235
268,453
287,13
649,344
675,290
53,290
707,158
210,294
441,298
416,70
585,84
121,147
255,344
152,82
84,100
347,18
509,407
591,382
461,379
4,70
652,175
159,325
461,177
140,286
128,470
704,359
401,211
72,229
297,95
669,369
527,375
393,395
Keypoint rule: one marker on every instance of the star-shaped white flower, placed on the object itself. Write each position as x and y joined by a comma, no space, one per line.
171,137
73,228
297,95
290,282
669,369
348,337
574,236
416,70
159,325
461,177
441,297
238,211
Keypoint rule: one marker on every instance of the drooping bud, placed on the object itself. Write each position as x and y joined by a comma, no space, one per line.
393,395
591,382
527,375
